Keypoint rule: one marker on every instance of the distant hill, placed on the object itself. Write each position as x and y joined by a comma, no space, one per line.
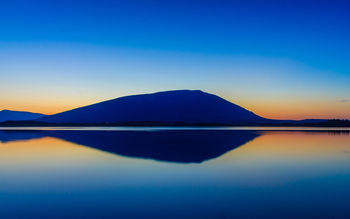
8,115
180,106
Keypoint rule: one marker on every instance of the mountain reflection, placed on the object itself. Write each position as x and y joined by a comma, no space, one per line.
184,146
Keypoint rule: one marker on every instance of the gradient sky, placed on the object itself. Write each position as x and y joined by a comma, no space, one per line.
280,59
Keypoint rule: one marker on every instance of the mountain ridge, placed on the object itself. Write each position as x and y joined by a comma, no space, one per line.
165,108
11,115
188,106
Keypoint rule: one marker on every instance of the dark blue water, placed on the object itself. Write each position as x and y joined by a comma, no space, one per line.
176,173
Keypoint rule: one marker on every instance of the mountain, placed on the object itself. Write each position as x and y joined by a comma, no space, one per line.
180,106
8,115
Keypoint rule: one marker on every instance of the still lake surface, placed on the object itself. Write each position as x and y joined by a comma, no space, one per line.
241,172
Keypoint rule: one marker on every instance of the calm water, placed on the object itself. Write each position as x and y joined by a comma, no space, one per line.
174,173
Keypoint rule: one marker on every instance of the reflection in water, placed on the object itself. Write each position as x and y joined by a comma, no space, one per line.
339,132
167,145
256,174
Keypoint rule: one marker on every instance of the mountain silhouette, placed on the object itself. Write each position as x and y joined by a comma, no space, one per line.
183,146
180,106
8,115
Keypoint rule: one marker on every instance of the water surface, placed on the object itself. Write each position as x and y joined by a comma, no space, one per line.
183,172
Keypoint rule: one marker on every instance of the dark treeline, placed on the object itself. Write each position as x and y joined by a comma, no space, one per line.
334,123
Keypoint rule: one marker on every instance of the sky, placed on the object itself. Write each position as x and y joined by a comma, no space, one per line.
280,59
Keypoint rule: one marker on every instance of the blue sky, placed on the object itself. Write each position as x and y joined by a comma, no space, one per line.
280,59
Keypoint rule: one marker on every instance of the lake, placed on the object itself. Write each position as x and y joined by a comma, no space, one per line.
113,172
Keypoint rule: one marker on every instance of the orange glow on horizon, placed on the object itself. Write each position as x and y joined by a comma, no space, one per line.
272,109
298,109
